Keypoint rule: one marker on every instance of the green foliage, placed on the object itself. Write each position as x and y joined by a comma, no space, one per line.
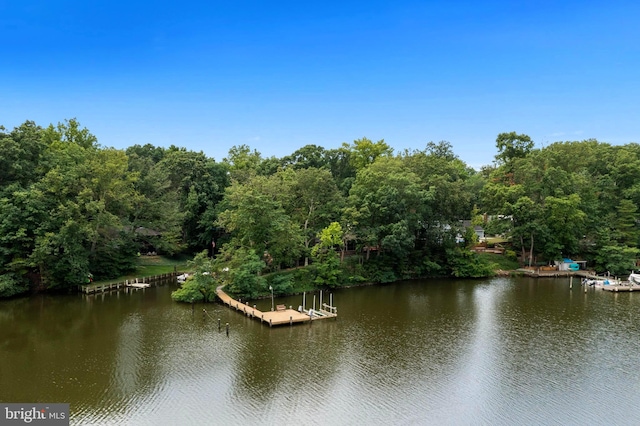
470,237
498,226
615,259
69,207
12,284
201,285
365,152
428,268
328,271
255,215
114,258
329,237
353,271
565,221
626,224
505,262
327,260
380,270
188,292
198,183
311,199
244,268
281,282
309,156
387,203
467,264
242,162
512,146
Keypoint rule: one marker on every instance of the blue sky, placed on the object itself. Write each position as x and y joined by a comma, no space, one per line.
282,74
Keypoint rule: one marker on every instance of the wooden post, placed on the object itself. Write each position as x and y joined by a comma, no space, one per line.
314,302
227,329
320,306
571,282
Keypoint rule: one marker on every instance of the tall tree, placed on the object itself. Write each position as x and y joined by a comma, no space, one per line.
327,259
313,202
365,152
511,146
254,214
388,205
242,162
200,183
306,157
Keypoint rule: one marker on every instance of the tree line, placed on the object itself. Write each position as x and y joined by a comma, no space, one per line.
70,207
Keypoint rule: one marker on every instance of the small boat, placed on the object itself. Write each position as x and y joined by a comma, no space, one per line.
601,282
182,278
634,278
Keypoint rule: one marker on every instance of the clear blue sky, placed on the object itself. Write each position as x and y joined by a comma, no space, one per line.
278,75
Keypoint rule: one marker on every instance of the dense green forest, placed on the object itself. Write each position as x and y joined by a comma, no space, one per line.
70,207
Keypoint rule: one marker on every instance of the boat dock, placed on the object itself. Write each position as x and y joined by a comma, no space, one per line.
136,283
621,287
281,315
542,273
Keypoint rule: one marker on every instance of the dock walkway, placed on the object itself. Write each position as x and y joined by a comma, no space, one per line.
621,287
539,273
280,316
135,283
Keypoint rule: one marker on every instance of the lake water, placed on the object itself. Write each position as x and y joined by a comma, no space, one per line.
499,351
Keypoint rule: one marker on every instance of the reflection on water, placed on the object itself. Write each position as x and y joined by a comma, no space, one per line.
500,351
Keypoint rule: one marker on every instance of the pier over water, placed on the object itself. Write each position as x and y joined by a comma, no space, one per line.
281,315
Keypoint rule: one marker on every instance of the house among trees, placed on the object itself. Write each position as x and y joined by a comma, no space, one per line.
479,230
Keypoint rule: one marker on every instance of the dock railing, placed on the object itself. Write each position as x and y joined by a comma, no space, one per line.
101,288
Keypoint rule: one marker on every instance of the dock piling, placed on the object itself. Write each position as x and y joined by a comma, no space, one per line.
279,317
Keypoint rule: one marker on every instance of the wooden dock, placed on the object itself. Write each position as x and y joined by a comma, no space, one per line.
135,283
539,273
138,285
621,287
282,315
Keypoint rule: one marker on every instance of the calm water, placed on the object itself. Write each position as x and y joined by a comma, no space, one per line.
501,351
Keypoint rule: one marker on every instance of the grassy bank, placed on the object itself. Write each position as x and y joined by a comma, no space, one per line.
503,262
148,266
